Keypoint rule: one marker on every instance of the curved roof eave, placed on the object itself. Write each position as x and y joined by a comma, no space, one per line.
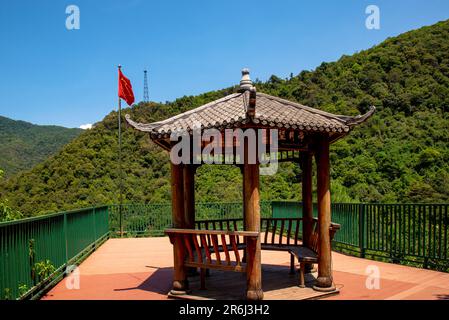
350,121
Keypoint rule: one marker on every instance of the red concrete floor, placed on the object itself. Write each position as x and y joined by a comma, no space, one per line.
141,268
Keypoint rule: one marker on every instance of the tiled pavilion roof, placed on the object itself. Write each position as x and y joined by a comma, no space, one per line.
270,111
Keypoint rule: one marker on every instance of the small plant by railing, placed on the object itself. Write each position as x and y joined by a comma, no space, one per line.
43,270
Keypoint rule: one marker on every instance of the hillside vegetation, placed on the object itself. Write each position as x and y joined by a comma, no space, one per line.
23,145
400,155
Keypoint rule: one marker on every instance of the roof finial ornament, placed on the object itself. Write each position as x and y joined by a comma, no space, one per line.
245,82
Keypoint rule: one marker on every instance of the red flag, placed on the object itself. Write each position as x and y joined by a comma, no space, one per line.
125,89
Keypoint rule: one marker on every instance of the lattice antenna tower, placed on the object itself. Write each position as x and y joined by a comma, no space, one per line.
146,96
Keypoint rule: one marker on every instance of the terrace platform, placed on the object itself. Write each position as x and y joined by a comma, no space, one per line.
141,268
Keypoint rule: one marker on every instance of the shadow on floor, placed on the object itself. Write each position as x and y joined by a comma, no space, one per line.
159,281
277,283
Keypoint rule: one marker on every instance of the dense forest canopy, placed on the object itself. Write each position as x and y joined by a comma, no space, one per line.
400,155
23,145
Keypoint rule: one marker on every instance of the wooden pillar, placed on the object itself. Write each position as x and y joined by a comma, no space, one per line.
180,283
252,223
242,170
324,281
189,196
189,204
307,202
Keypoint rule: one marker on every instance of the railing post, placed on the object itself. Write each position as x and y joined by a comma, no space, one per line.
95,227
121,219
32,257
108,208
362,229
66,243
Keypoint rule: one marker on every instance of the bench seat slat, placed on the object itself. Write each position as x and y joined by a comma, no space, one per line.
213,265
303,254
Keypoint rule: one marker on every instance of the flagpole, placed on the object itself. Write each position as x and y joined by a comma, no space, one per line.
120,162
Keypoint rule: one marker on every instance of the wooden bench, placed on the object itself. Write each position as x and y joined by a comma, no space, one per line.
280,234
203,248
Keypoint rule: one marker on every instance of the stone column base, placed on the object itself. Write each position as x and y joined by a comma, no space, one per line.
254,295
178,292
180,287
324,284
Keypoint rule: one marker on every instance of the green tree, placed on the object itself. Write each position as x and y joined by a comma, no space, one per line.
6,212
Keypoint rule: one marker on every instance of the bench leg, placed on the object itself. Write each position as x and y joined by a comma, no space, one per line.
191,272
292,264
302,282
203,278
309,268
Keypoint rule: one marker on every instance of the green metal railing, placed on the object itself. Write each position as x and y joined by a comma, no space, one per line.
153,219
414,234
35,252
408,232
139,219
345,214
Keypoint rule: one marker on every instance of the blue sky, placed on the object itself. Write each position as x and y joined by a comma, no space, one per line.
51,75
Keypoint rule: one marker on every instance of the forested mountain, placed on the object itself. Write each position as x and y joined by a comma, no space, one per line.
23,145
400,155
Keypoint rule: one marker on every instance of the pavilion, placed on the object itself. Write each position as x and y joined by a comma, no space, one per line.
300,133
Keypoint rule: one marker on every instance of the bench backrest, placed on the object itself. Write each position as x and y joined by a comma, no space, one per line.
272,229
314,237
281,231
203,247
